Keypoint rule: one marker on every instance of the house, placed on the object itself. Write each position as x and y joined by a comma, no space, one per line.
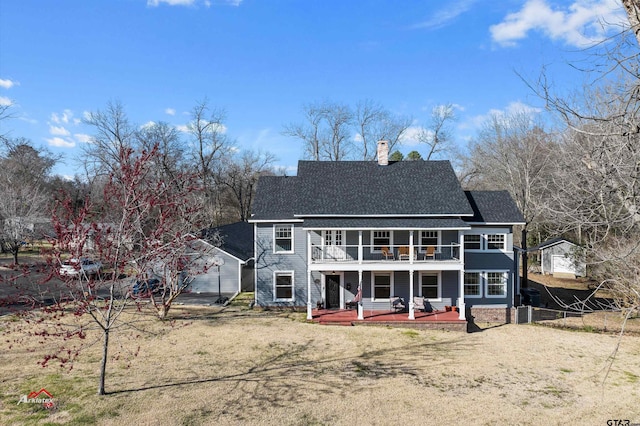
233,245
379,230
561,258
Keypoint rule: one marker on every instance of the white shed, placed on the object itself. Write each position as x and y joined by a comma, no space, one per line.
561,258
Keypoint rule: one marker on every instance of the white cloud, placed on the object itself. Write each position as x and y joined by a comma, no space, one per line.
182,128
58,131
7,84
515,107
170,111
81,137
65,117
446,15
61,142
148,124
4,101
583,23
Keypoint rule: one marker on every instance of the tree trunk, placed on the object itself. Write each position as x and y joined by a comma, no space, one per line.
14,252
633,12
103,363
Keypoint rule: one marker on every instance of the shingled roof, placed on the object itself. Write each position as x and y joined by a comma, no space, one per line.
364,188
493,207
359,189
275,198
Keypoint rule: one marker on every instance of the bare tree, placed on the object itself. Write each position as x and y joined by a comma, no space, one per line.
513,152
308,132
632,8
209,143
326,131
24,192
437,135
113,133
373,123
240,175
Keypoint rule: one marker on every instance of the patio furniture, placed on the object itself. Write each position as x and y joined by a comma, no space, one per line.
418,304
430,253
398,304
404,253
386,253
353,303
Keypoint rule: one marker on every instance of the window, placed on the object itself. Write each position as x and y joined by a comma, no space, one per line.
472,287
496,242
381,239
472,242
485,242
496,284
283,285
429,238
430,286
283,238
382,285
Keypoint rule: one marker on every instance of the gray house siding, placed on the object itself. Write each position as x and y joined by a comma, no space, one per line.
478,261
269,262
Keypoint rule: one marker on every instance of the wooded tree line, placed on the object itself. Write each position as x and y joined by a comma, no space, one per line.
225,176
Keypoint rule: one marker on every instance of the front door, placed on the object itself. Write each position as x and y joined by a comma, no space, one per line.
332,291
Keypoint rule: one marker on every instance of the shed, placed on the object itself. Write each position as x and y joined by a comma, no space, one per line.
561,258
236,251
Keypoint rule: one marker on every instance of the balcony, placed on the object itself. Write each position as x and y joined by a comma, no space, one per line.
350,254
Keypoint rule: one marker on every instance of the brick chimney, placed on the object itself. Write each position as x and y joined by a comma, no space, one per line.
383,153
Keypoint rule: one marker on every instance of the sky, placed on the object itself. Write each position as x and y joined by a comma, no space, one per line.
261,61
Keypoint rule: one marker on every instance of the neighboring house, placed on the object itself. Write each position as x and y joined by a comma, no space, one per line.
561,258
389,228
236,251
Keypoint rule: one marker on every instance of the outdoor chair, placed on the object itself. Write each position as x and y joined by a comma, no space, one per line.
386,253
404,253
430,253
418,304
353,303
398,304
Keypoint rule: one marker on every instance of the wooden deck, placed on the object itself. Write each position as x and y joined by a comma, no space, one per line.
431,320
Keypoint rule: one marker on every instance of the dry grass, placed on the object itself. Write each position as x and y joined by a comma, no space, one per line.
246,367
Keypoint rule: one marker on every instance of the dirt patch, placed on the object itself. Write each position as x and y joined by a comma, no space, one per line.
235,366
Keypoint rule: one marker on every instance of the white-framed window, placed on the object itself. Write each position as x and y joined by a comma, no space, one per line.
430,286
487,283
429,238
472,284
496,283
283,238
496,242
472,242
381,239
283,286
382,285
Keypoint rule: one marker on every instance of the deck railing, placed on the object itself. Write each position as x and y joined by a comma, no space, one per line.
397,253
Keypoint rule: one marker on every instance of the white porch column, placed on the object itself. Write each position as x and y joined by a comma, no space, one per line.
360,307
461,305
411,247
411,307
309,305
360,248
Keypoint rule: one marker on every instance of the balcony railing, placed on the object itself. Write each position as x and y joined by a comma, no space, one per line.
369,254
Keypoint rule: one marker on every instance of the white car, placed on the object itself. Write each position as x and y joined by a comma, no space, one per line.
80,267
